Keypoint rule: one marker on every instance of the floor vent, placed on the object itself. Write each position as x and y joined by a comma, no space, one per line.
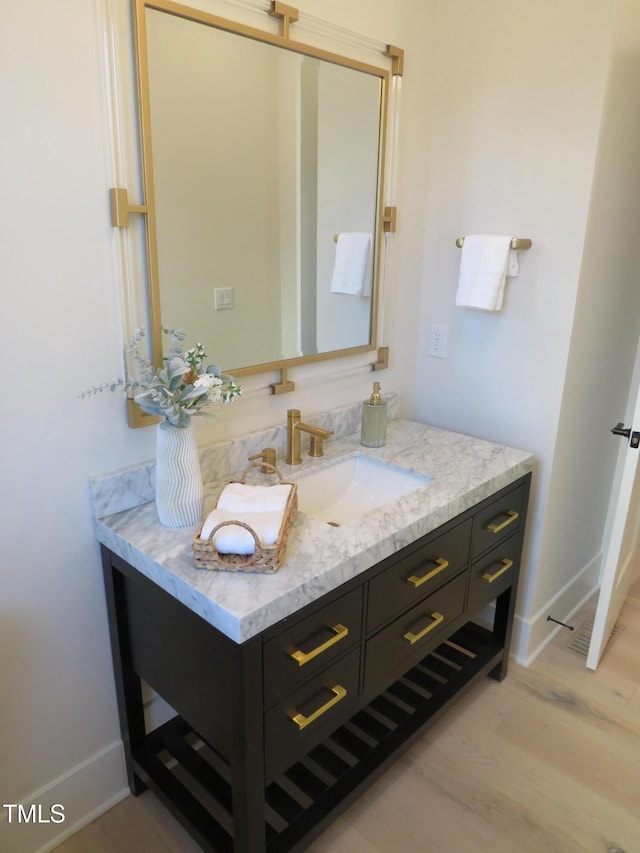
580,643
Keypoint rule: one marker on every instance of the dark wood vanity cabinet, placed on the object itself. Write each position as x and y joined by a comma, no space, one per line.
273,737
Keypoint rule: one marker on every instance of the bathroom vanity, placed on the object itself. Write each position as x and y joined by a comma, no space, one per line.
294,691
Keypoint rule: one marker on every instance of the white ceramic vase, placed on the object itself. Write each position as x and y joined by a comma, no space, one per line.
178,476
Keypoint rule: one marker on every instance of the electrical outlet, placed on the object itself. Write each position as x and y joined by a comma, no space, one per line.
438,340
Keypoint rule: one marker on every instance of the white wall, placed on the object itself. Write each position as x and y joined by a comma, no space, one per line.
530,135
605,331
413,177
61,332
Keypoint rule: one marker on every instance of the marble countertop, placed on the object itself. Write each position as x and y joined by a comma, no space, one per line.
318,557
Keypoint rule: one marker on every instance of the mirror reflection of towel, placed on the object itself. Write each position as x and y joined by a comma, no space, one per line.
352,266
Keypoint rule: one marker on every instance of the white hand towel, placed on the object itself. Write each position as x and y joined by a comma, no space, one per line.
233,539
352,265
485,262
241,498
513,267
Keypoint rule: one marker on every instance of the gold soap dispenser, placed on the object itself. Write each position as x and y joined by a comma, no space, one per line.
373,432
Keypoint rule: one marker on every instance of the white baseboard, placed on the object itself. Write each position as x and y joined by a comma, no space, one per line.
530,636
84,793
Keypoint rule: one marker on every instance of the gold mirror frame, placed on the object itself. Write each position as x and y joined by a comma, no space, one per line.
121,208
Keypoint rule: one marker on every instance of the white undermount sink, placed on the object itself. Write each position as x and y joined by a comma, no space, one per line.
352,486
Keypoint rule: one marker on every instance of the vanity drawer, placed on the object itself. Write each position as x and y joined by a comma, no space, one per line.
497,521
307,646
412,634
493,573
296,724
413,578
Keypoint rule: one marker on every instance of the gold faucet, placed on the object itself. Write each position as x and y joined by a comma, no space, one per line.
268,456
294,428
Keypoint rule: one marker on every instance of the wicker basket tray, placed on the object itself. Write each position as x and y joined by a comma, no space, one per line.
266,558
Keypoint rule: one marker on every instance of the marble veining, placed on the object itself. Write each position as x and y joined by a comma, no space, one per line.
128,487
318,558
133,486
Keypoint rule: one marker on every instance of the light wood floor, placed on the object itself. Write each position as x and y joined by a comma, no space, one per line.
548,760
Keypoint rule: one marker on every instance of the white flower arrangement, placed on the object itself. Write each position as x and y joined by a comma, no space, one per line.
179,389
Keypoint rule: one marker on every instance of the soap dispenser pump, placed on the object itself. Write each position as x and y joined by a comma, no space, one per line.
374,420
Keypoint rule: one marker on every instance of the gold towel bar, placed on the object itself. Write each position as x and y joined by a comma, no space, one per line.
516,243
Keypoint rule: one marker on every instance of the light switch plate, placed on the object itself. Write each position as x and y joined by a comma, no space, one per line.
223,298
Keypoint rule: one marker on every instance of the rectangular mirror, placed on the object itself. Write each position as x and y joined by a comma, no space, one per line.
262,171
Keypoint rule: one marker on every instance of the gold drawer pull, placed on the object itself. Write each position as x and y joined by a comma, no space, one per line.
506,564
413,638
441,565
302,722
304,657
496,528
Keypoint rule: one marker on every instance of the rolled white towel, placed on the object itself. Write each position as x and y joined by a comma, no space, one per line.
233,539
241,498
